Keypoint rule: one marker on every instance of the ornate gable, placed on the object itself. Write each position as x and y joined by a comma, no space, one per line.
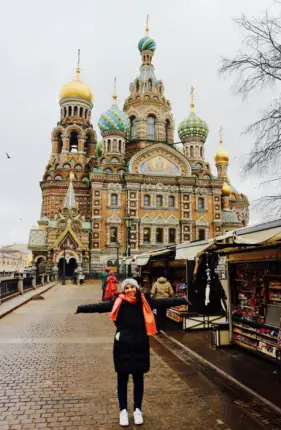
160,160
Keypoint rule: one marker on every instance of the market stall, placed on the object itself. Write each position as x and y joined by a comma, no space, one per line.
254,275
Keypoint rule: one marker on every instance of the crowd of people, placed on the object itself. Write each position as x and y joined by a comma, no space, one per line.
136,316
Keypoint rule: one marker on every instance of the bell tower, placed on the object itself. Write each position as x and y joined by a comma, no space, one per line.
73,149
149,111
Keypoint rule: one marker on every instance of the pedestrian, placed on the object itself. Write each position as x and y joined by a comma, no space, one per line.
104,276
132,313
161,289
74,279
81,278
110,289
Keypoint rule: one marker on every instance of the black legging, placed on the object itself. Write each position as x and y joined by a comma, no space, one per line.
122,384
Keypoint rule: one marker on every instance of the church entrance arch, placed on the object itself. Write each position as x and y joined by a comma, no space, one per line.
67,266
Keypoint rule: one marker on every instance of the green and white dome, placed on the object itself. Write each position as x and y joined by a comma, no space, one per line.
114,120
193,128
147,44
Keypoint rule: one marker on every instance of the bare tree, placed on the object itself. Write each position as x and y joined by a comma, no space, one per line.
257,65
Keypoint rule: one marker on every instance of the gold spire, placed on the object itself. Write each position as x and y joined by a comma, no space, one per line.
192,99
147,27
222,156
78,67
114,96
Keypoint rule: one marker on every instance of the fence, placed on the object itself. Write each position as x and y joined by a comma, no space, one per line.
8,288
27,283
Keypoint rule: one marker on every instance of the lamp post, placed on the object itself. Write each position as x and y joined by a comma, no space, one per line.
129,221
117,243
63,269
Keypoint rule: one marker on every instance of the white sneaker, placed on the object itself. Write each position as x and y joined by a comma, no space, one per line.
138,417
124,419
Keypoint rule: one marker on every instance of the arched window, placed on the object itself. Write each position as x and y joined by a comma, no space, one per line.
146,200
191,152
113,234
146,235
201,203
149,85
60,143
172,235
66,166
114,149
114,199
133,130
120,145
73,143
167,127
107,170
65,111
78,167
159,235
171,201
137,86
151,128
109,145
159,201
86,113
114,160
69,110
87,143
75,110
81,112
201,152
58,178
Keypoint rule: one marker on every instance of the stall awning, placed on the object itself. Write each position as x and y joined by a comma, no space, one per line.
142,259
188,251
258,237
160,252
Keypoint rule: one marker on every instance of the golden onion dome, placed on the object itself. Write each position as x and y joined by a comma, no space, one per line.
77,88
222,156
226,189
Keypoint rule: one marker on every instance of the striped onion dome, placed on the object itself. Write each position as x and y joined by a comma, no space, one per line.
114,120
147,43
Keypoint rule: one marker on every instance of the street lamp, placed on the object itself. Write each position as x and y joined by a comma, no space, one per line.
129,221
63,267
117,243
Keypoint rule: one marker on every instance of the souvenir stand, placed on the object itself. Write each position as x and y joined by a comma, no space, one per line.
177,265
254,276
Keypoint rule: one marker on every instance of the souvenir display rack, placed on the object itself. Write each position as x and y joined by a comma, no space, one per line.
253,289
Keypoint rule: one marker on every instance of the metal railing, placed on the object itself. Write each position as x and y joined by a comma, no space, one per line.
27,283
8,287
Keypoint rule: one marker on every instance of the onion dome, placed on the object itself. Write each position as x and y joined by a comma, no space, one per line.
221,156
226,189
77,88
147,43
114,119
193,127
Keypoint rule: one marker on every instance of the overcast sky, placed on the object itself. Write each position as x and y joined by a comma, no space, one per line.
38,45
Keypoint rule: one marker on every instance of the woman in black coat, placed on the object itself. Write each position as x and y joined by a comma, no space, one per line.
132,313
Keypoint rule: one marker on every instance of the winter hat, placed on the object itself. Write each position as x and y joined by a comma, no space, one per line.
130,281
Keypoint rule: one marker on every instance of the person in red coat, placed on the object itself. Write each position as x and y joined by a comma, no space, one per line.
110,289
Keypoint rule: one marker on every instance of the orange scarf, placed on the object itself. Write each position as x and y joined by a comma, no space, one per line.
148,315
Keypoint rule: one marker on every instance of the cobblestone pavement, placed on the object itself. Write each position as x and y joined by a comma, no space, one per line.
56,371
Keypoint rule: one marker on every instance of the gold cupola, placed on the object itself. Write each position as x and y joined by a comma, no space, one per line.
77,88
226,189
222,156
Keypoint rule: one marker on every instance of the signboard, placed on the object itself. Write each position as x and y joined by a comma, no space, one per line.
174,316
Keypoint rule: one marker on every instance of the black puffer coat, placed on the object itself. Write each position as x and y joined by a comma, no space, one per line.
131,351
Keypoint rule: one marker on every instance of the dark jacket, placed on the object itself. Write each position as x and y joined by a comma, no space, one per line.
131,351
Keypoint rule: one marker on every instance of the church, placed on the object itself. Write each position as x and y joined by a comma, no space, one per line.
135,190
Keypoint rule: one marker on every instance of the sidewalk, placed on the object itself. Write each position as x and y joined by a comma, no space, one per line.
12,304
232,362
